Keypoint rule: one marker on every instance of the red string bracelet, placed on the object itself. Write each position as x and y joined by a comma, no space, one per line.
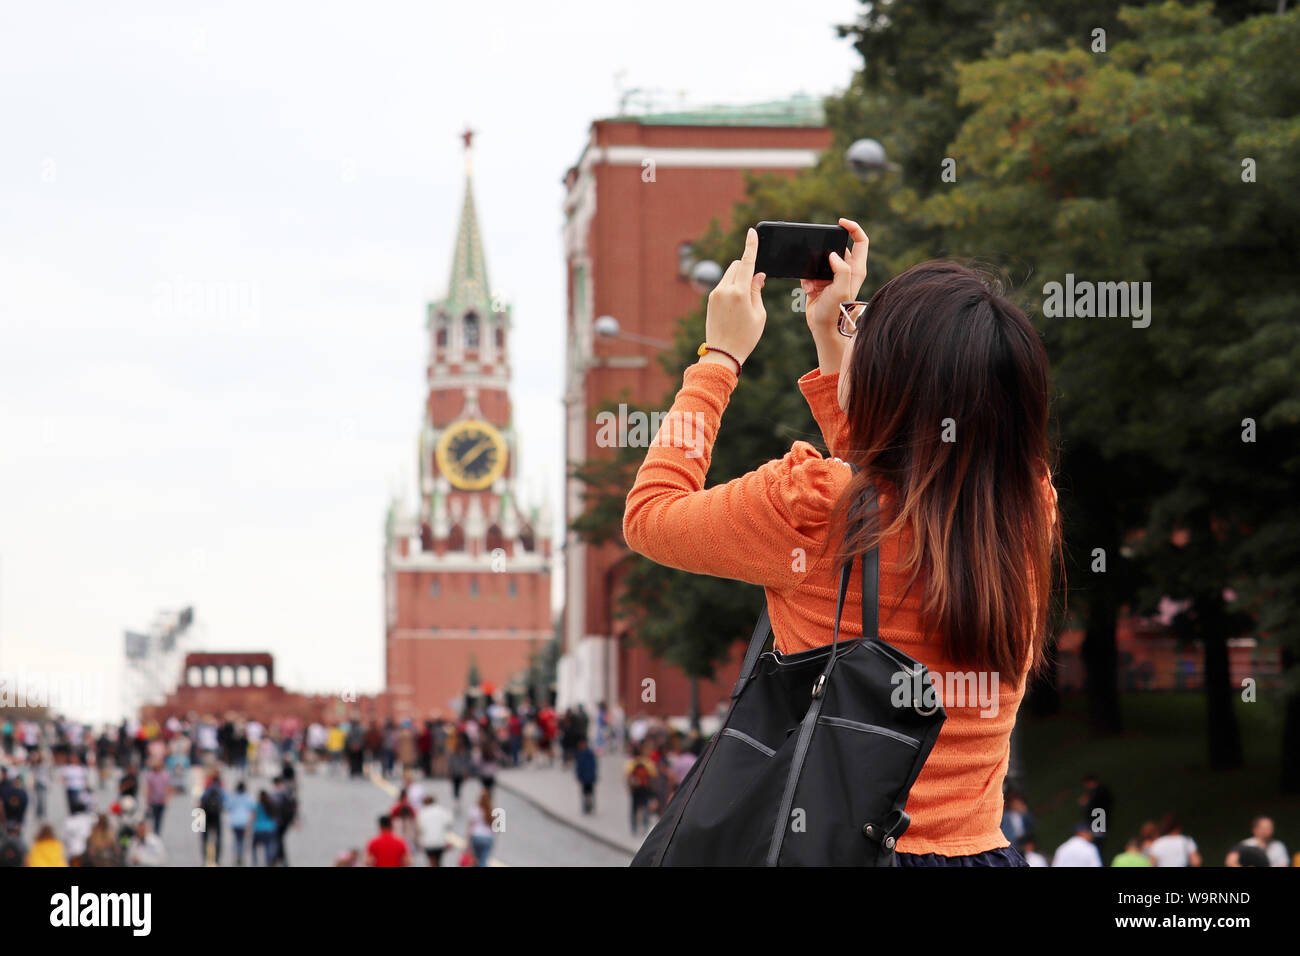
706,347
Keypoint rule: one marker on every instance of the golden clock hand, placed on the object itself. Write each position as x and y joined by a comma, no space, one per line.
474,452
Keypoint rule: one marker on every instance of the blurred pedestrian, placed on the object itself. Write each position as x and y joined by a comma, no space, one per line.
1016,818
102,847
489,760
74,782
1174,848
1096,805
240,810
1132,855
1079,850
1247,854
1029,850
46,850
157,788
585,770
480,829
387,849
13,851
640,773
1261,837
13,801
402,813
286,814
458,766
212,801
265,826
146,849
434,821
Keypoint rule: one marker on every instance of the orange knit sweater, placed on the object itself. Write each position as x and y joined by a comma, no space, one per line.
749,529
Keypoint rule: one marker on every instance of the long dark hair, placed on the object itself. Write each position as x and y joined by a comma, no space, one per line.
947,403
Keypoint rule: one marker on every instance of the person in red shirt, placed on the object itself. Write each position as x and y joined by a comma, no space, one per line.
387,849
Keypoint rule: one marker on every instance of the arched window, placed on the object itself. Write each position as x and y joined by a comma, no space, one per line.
210,676
499,334
194,676
440,336
471,331
227,676
527,539
495,539
456,538
259,676
243,676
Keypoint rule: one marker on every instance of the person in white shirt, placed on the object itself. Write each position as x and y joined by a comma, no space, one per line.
74,782
76,832
146,849
1173,848
414,789
433,821
1029,850
1078,850
1261,835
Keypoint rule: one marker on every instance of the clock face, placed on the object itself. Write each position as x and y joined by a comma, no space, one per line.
472,454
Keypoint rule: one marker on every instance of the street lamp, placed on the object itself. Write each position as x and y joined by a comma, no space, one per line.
705,274
608,326
867,157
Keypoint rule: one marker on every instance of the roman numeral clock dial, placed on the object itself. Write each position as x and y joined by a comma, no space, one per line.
472,454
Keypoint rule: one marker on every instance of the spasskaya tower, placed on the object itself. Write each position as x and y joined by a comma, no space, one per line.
467,574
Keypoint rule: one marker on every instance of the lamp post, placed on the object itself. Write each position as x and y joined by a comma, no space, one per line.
866,157
608,327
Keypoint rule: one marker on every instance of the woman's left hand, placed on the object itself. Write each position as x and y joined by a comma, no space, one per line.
735,318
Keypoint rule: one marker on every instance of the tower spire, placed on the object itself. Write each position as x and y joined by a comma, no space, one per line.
468,286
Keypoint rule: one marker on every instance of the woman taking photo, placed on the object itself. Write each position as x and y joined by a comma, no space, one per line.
937,390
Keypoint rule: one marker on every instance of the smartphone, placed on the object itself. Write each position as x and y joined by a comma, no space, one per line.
799,250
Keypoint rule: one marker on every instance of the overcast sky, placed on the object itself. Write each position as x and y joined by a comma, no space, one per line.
219,227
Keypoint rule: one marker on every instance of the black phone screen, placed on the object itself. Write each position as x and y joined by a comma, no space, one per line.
798,250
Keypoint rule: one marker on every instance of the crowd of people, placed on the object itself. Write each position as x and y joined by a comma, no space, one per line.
118,783
1154,844
474,749
239,776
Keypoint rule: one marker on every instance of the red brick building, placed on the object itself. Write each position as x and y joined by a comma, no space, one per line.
467,574
643,188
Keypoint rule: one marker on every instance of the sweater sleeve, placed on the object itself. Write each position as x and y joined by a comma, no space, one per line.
765,527
820,391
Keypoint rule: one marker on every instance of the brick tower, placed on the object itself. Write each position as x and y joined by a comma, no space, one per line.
467,578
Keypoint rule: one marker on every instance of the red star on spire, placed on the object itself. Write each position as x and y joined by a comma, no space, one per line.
467,136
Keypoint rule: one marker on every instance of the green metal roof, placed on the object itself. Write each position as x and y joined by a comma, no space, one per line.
795,111
468,285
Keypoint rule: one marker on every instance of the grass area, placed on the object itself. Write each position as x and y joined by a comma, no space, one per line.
1157,766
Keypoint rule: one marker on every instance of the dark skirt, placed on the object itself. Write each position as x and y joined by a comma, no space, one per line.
1003,856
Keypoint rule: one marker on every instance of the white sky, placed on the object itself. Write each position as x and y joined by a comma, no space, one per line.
298,164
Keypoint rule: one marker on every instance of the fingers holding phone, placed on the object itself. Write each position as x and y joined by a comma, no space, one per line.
822,296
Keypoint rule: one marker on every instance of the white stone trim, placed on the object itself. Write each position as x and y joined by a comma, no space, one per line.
744,158
456,562
461,633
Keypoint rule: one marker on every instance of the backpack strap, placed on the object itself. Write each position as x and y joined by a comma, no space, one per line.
870,612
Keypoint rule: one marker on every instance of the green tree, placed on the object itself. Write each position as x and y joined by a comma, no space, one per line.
1134,166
